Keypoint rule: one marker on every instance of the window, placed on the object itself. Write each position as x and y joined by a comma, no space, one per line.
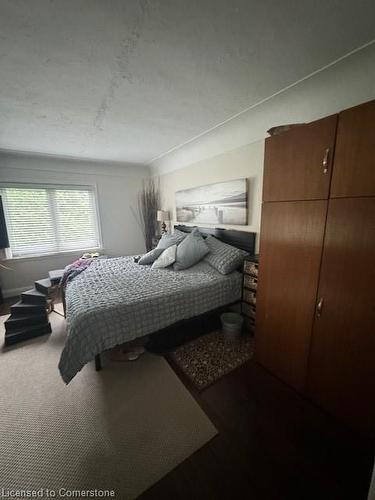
49,219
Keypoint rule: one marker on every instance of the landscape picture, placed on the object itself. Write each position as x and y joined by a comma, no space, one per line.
219,203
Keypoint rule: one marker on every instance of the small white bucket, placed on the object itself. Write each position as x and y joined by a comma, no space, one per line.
232,326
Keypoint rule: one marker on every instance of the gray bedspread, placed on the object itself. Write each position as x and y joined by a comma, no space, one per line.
116,300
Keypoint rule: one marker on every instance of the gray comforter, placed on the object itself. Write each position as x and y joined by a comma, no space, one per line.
116,300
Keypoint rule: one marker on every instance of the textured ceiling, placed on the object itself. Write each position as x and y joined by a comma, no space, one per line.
128,80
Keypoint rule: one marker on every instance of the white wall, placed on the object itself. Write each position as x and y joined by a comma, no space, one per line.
236,148
344,84
242,162
117,187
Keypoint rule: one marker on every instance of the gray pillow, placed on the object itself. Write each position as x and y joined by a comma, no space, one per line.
190,251
151,256
167,239
223,257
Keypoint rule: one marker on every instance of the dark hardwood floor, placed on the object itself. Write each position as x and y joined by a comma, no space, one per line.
272,444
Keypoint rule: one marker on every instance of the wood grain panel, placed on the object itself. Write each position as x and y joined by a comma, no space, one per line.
342,360
293,163
354,168
290,252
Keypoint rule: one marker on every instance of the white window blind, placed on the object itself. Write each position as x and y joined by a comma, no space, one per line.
43,220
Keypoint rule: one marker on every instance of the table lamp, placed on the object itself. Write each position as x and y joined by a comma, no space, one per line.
162,216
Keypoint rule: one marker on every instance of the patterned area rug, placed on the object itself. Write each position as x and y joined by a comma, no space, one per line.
210,357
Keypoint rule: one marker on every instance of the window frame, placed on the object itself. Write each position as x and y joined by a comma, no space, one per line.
45,185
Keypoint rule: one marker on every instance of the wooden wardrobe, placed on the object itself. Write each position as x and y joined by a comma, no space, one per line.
315,325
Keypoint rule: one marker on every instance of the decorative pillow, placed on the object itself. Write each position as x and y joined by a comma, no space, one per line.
166,258
223,257
190,251
151,256
167,239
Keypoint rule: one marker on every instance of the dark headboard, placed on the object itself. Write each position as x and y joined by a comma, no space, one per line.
239,239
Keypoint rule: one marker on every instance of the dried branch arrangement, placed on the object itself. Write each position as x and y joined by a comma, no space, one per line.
148,205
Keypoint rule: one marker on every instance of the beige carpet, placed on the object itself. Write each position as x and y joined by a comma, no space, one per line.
122,429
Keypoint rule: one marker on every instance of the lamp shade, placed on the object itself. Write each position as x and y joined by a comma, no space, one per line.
162,215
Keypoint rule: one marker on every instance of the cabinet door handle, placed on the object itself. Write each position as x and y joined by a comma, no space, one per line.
319,307
325,161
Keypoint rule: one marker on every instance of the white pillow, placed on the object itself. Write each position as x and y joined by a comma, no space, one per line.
167,258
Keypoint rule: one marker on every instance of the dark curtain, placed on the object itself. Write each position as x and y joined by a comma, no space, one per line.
4,242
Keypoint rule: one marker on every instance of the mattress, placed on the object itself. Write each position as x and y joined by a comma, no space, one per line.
116,301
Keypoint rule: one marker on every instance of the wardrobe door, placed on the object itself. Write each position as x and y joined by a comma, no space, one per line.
297,163
290,253
342,359
354,169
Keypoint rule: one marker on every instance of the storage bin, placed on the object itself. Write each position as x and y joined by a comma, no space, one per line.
250,282
232,326
251,268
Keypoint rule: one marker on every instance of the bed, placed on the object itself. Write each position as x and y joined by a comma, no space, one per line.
116,300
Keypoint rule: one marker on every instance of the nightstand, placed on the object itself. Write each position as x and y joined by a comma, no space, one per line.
249,291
